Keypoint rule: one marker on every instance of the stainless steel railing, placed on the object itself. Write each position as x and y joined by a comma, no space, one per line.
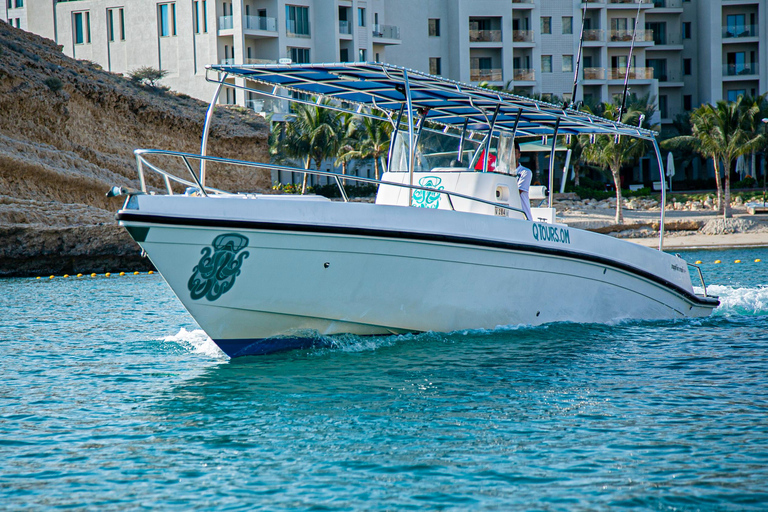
143,163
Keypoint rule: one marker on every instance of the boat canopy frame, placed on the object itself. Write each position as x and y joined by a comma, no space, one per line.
377,89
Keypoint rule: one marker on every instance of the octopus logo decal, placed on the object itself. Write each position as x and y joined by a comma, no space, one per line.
215,274
428,198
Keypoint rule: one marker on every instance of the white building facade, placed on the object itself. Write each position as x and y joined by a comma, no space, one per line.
685,52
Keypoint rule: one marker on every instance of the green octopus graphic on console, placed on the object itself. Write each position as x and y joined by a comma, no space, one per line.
215,273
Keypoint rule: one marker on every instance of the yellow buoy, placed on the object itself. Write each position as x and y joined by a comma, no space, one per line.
50,277
107,274
94,274
698,262
79,275
758,260
122,273
38,277
717,261
66,275
150,272
136,273
737,261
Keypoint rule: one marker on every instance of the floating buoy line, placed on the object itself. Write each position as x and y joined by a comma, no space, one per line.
717,262
106,274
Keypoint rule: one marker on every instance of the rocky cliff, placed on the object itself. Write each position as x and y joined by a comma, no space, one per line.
67,134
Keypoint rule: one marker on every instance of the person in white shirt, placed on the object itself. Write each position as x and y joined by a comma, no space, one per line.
524,176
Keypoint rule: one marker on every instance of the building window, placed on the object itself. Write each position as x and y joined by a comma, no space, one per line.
687,102
297,20
81,22
361,55
686,30
204,15
116,24
568,63
19,3
735,94
434,66
299,55
434,27
546,24
546,63
166,16
567,24
360,17
687,67
196,16
663,107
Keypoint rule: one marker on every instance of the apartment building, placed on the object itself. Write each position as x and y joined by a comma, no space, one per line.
182,37
683,52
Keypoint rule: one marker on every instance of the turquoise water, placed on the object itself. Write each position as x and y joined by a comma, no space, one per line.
111,398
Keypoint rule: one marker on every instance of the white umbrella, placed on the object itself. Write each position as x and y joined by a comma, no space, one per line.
741,166
670,168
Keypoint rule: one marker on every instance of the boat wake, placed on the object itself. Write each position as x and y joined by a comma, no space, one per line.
740,301
196,341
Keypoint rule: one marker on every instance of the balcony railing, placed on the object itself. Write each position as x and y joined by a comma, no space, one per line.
260,61
594,74
626,35
485,75
294,29
594,34
740,69
525,75
667,76
593,1
744,31
386,31
630,1
260,23
484,36
662,38
668,4
522,1
345,27
227,62
634,73
522,36
225,22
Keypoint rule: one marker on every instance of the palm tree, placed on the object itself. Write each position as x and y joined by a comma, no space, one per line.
374,137
311,135
615,151
722,132
347,141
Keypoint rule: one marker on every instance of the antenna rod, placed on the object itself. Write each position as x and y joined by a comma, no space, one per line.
578,55
629,63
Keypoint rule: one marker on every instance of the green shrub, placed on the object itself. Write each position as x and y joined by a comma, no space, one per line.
747,182
147,75
54,83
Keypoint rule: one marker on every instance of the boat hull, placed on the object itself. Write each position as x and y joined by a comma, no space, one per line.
263,276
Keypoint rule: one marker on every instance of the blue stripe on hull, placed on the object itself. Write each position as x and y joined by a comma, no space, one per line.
260,347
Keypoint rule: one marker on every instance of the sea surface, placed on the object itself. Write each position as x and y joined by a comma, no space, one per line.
111,398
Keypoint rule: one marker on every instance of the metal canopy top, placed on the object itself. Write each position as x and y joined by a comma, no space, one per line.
378,86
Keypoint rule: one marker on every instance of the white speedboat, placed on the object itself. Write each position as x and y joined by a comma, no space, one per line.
444,247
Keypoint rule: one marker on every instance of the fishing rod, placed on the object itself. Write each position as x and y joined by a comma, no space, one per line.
629,64
578,55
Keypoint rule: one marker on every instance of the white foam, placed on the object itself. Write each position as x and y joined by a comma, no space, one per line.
740,301
197,341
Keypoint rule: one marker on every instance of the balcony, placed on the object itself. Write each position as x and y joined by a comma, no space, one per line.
524,75
594,74
226,22
594,34
522,4
345,27
522,36
634,73
633,3
227,62
260,23
642,36
667,4
740,69
386,31
484,36
593,1
738,32
485,75
260,61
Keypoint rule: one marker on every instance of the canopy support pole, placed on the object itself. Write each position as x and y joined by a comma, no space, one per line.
552,161
207,128
489,139
460,153
394,136
663,193
411,141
